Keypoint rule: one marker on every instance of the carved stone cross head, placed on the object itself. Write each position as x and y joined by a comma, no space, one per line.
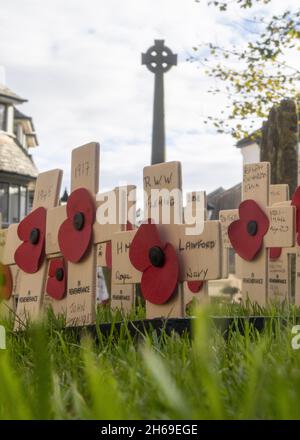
159,58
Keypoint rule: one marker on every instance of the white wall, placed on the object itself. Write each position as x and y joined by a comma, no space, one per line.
20,135
251,153
10,119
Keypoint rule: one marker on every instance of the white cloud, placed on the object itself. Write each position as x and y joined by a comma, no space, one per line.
79,64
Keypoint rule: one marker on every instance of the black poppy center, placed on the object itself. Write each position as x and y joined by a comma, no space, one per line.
34,236
78,221
156,256
252,227
59,274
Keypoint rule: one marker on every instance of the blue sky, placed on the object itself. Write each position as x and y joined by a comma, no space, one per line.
79,65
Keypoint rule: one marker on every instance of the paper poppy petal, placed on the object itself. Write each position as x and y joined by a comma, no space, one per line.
108,255
247,246
28,256
72,243
81,200
159,283
6,282
129,226
275,253
55,288
250,210
36,219
55,263
195,286
146,237
296,202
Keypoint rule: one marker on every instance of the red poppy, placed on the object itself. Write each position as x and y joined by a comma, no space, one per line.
246,234
6,282
129,226
274,253
108,255
157,261
195,286
75,233
31,230
57,279
296,202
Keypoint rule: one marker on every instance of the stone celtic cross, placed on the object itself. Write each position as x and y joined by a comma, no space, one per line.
158,59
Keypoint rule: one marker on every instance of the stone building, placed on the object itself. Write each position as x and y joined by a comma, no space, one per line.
17,169
231,198
221,199
250,147
277,142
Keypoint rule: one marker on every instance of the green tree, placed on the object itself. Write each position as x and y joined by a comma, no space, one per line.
257,75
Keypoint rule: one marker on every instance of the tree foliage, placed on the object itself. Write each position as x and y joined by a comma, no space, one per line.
255,75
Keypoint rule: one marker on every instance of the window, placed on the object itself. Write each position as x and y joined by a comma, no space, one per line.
30,200
14,215
19,133
4,201
13,203
2,117
23,202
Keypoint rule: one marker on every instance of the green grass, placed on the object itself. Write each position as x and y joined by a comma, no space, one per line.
46,373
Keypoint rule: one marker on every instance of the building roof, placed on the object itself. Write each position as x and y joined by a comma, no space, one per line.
225,199
217,192
28,127
5,92
65,196
254,137
20,115
14,159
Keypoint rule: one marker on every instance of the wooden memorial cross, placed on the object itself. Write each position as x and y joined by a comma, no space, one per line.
226,217
297,246
297,274
295,201
75,236
122,203
278,193
10,234
195,291
279,258
7,299
55,291
165,177
297,284
162,256
25,247
254,228
75,294
279,265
